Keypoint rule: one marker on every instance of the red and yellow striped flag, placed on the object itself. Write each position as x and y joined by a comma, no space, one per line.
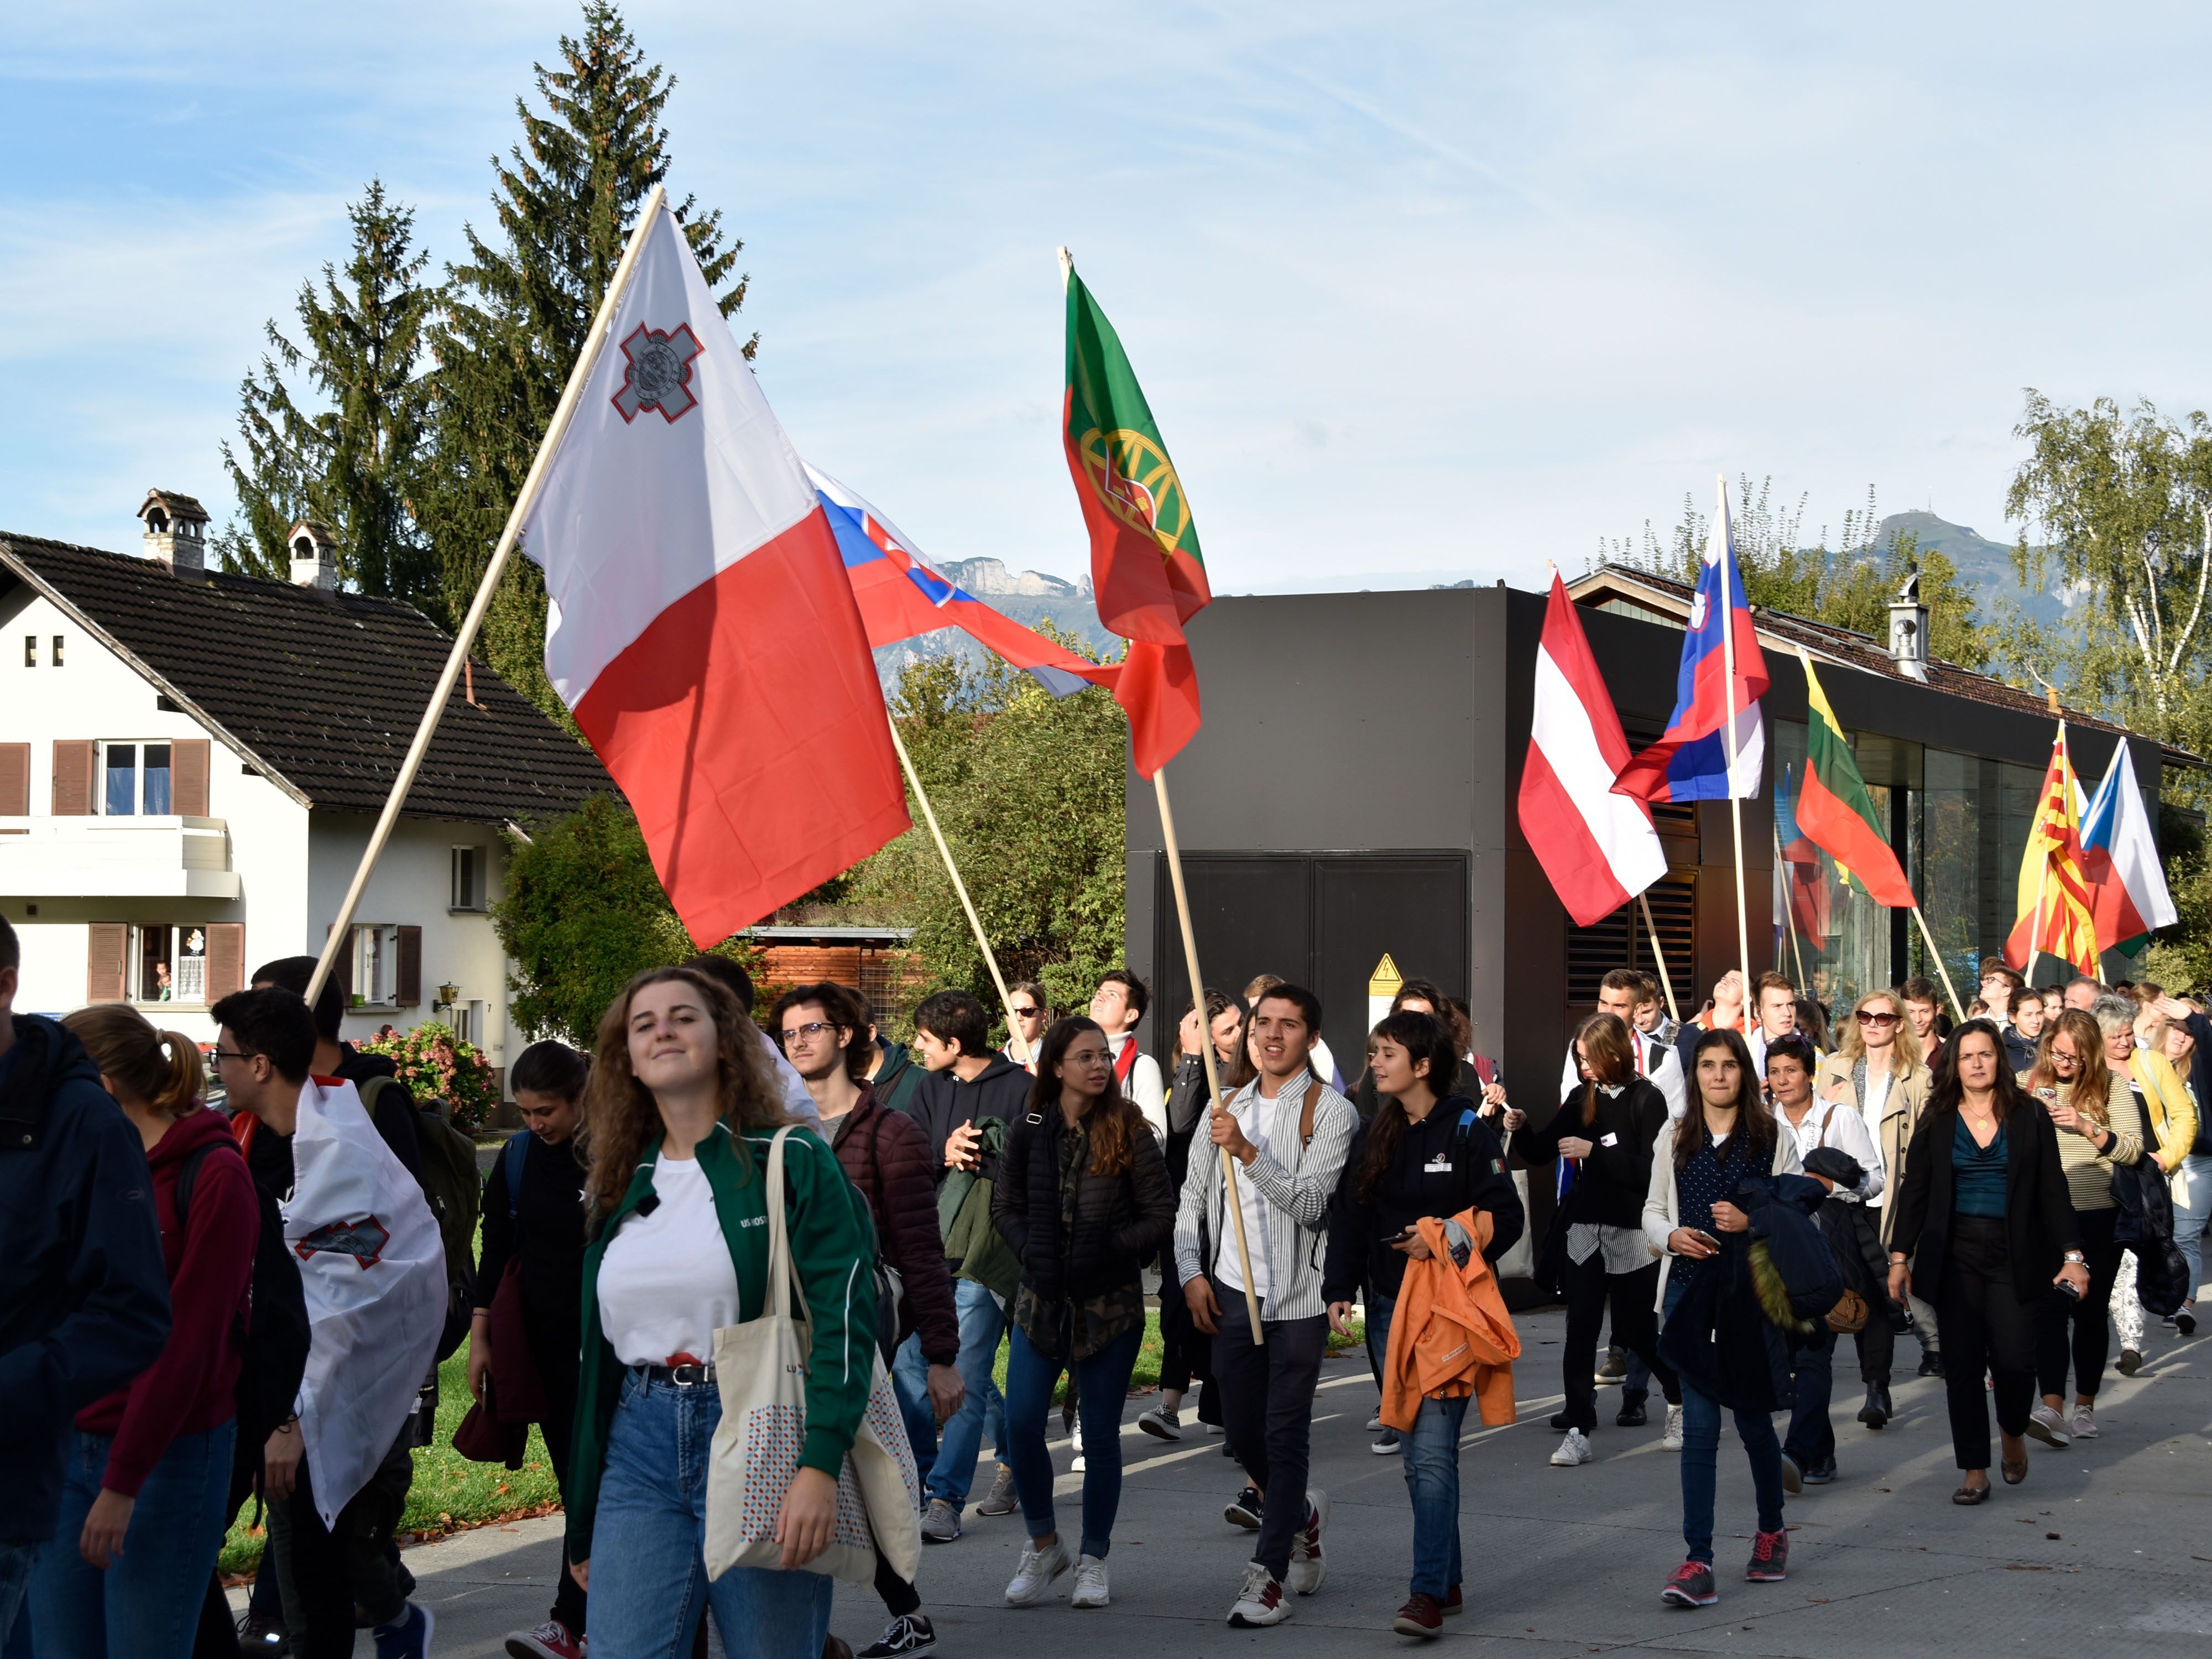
2054,895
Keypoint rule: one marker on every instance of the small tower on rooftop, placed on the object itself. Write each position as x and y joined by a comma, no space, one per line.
1908,631
175,531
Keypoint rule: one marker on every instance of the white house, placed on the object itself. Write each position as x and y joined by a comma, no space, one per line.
191,764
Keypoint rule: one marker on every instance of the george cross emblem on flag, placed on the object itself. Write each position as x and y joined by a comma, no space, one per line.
658,373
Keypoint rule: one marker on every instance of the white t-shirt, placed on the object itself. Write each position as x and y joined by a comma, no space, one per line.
1870,1111
667,1283
1247,1114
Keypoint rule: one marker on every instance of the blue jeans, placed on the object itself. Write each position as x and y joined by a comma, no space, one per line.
1101,1385
2189,1219
1430,1456
648,1571
1812,1437
1701,1444
948,1468
147,1604
17,1562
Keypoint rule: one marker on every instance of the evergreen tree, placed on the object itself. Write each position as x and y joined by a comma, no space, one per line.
515,315
350,462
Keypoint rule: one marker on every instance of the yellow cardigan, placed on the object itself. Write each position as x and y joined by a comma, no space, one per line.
2173,1113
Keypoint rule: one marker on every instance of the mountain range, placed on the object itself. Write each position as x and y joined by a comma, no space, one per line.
1984,567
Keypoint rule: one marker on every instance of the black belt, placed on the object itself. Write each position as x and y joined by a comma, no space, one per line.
680,1376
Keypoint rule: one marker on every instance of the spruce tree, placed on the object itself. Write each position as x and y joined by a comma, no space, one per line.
515,314
348,457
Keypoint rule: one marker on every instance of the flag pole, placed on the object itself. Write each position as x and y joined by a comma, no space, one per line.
1736,805
960,888
1235,1207
1789,917
1936,956
465,634
1659,956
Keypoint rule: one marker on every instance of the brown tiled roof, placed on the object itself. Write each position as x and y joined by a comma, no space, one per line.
321,692
1855,650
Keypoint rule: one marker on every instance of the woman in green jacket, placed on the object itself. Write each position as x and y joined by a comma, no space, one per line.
679,1115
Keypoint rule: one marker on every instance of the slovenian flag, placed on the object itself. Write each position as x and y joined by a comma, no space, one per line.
2128,895
1689,762
901,596
699,624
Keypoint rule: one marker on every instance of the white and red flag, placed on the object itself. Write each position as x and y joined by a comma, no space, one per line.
702,629
1598,847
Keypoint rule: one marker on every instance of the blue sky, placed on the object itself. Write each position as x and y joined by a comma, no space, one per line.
1418,292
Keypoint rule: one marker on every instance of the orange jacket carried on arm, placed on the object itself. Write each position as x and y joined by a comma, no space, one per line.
1450,1335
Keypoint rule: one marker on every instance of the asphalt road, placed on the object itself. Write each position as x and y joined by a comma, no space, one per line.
2106,1549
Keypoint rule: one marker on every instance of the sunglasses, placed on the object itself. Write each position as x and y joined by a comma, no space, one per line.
1873,1016
1020,1012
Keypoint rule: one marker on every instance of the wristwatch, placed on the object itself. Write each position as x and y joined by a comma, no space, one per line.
2075,1258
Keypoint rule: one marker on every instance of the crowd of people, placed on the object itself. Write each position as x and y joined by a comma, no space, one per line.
1716,1203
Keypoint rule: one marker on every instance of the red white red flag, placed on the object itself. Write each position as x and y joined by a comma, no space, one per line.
702,629
1598,847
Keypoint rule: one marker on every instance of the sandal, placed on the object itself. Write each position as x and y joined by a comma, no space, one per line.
1966,1495
2015,1472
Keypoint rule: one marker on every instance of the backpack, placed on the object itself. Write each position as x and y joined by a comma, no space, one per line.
272,1328
450,1185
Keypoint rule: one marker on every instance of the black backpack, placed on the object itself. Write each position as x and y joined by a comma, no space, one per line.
272,1327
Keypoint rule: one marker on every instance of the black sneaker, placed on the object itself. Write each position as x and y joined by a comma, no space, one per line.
263,1638
1690,1585
1931,1364
1244,1509
1820,1472
1632,1412
904,1637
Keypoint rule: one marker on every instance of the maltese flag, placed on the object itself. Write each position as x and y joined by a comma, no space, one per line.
1598,847
700,628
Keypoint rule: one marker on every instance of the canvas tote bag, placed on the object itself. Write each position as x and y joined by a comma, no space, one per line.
760,1368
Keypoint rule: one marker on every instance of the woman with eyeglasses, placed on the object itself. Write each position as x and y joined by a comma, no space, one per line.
1878,1070
2099,1129
1983,1221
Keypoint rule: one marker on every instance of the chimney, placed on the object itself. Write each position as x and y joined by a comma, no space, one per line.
314,556
176,531
1908,631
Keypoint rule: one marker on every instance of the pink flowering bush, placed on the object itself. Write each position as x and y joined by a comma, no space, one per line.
436,1064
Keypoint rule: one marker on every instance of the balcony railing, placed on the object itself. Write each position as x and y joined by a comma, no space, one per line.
150,857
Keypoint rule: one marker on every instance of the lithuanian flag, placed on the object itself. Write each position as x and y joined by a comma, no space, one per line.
1148,574
2054,918
1834,811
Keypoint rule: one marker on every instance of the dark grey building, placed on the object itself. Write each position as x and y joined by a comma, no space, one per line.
1352,794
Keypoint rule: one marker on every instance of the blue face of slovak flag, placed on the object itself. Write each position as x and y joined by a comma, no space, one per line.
863,539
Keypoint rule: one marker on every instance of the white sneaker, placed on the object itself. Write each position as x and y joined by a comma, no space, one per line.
1573,1452
1090,1590
1035,1574
2048,1426
1307,1568
1258,1600
1161,1422
1672,1440
1375,1423
2084,1424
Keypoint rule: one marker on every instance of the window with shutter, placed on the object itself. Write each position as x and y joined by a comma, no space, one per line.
1621,940
188,778
225,959
108,944
14,780
409,994
73,765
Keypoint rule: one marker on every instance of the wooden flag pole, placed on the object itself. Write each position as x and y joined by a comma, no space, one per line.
1235,1207
1735,806
465,634
1937,957
1659,956
960,887
1789,919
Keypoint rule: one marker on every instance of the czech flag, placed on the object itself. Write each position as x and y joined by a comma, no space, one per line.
2128,895
900,597
1691,761
699,624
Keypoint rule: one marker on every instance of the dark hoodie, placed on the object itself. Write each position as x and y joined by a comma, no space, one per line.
944,1103
84,1301
898,1079
190,1390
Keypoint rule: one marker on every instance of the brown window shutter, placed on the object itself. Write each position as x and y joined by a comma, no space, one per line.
188,777
73,778
411,967
342,970
14,780
226,954
109,942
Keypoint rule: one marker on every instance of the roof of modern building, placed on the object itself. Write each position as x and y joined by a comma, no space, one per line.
321,692
1663,598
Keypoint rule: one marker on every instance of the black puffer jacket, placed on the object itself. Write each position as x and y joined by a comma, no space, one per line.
1120,1220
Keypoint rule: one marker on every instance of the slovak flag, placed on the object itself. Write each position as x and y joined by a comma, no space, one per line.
1691,762
900,597
700,626
2128,895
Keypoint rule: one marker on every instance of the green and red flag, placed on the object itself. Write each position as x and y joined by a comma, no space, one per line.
1148,574
1836,813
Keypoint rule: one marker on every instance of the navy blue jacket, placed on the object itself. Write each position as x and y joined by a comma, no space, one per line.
84,1296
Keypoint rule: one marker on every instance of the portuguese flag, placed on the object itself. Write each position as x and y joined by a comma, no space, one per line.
1835,812
1146,573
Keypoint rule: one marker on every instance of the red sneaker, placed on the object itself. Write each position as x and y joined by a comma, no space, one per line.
1770,1559
550,1640
1691,1585
1453,1603
1423,1615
